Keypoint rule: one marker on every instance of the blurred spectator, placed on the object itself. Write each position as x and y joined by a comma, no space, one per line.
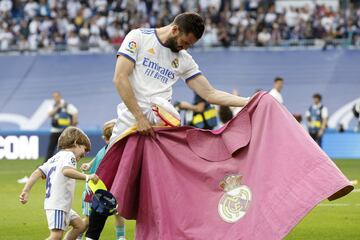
5,7
275,91
317,117
299,119
341,128
264,38
356,112
6,38
204,114
241,23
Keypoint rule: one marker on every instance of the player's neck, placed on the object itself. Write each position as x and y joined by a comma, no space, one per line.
163,33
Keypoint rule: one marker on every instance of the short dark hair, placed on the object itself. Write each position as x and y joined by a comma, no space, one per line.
318,96
190,22
278,79
225,114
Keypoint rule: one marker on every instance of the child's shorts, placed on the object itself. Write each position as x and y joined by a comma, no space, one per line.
85,206
58,219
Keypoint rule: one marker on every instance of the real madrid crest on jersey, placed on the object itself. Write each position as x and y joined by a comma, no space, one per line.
175,63
236,200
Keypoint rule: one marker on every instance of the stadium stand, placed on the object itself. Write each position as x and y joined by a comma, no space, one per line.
99,25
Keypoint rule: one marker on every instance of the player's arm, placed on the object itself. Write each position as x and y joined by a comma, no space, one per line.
24,196
324,122
123,69
323,126
74,119
53,110
199,107
72,110
213,96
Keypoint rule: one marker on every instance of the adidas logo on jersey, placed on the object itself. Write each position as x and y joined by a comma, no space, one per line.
151,51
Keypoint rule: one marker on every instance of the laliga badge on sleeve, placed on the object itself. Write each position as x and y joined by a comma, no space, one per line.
96,186
236,200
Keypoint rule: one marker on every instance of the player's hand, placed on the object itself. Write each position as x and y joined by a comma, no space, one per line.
24,196
144,127
94,177
181,105
320,133
85,166
245,101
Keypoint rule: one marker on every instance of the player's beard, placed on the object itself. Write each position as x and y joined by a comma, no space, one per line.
171,43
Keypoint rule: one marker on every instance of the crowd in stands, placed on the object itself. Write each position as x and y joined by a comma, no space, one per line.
102,24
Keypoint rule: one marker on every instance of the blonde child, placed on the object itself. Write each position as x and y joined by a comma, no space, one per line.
60,174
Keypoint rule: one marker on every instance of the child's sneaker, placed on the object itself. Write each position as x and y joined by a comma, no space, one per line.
23,180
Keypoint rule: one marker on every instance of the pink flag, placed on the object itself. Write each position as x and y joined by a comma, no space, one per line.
255,178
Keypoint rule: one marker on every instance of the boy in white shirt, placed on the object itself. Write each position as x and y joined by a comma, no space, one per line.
60,174
276,90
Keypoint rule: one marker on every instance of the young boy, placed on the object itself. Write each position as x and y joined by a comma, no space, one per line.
60,174
92,167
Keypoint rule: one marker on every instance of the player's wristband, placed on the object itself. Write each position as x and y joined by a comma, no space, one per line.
87,178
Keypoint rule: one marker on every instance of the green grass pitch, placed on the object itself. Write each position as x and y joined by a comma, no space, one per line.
338,220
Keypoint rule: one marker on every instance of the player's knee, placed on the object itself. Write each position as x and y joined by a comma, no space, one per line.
86,222
55,235
79,225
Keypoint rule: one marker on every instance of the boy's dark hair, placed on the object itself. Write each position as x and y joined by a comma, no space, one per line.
190,22
278,79
318,96
73,136
225,114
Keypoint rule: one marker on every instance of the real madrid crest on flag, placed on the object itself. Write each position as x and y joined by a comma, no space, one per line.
236,200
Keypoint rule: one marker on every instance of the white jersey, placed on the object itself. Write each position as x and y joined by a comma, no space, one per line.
59,189
156,70
277,95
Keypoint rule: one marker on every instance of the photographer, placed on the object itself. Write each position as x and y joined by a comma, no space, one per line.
204,114
62,115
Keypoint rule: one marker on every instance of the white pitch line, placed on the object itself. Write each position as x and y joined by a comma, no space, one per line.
334,204
339,204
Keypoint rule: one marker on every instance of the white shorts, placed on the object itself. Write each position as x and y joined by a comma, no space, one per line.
58,219
126,120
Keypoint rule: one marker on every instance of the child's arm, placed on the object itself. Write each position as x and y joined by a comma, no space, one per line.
73,173
87,166
24,196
